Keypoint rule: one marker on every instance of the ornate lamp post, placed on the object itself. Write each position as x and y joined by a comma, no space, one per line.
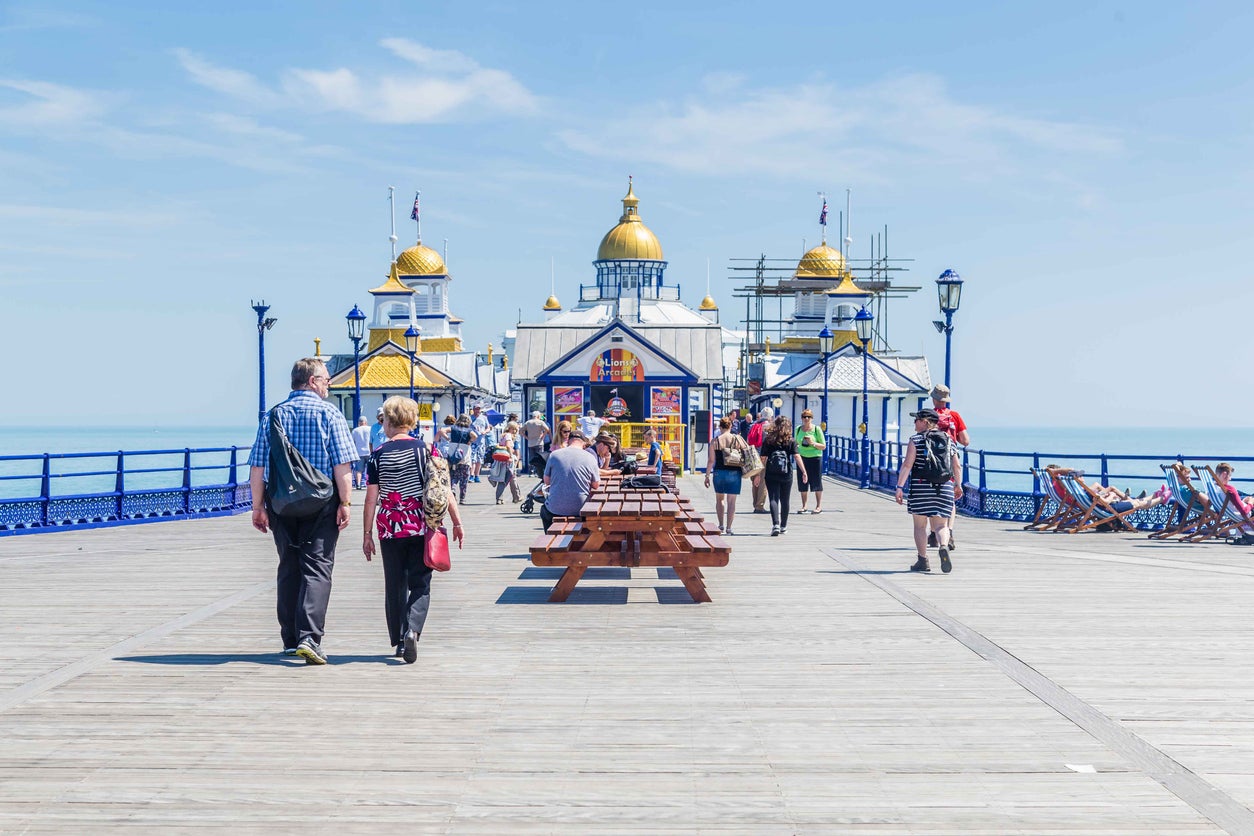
949,294
264,324
864,322
412,336
826,338
356,330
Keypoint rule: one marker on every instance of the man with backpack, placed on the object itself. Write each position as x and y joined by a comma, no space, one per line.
934,473
951,423
755,438
301,480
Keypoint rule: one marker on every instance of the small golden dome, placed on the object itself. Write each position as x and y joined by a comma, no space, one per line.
393,284
631,238
420,261
708,303
822,262
846,288
551,304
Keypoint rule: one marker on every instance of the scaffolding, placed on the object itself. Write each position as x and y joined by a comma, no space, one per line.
773,278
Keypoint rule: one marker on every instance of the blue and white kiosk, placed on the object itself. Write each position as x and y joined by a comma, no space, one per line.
630,349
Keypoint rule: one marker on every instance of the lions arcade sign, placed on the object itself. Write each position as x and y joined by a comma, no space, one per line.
617,365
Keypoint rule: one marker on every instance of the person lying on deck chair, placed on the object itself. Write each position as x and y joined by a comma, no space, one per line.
1223,473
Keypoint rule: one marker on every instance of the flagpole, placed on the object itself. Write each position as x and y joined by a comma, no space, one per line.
418,214
848,223
392,212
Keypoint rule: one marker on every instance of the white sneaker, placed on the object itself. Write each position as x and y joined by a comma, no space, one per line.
774,531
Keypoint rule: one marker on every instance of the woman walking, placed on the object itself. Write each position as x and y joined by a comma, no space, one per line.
727,453
459,449
934,472
505,469
779,455
395,479
810,445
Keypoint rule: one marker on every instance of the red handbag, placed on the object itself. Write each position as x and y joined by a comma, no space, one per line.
437,556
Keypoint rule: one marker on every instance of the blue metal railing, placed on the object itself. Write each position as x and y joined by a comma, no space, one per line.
60,491
1000,485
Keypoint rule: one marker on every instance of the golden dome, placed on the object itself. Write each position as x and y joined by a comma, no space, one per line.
631,238
551,304
708,303
822,262
420,261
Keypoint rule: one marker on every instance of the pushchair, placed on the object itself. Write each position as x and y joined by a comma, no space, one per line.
537,494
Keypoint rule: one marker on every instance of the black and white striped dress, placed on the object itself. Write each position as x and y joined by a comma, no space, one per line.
926,499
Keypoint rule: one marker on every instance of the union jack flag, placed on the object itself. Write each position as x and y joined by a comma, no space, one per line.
822,215
413,216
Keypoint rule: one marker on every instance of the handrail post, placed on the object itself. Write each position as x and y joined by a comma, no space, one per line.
232,484
187,480
983,483
119,486
45,490
1105,471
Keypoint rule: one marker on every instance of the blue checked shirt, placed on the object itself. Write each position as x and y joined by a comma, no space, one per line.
316,428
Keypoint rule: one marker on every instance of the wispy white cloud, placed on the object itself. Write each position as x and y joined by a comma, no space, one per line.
77,216
232,82
39,105
20,19
810,131
447,86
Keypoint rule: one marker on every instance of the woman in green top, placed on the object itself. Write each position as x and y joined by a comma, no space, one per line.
810,444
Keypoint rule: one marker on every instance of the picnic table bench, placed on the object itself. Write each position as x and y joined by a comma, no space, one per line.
632,528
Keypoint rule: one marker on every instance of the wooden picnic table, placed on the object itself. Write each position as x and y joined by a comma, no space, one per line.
632,529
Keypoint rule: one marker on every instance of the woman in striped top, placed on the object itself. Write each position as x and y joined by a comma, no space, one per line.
395,477
931,500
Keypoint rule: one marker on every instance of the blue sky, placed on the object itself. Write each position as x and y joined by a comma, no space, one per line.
1086,167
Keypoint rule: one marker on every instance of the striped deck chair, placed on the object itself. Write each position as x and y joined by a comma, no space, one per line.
1065,508
1192,511
1097,511
1230,521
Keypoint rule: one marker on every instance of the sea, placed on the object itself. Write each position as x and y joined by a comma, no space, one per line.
1009,452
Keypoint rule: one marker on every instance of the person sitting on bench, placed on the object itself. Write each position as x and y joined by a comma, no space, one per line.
572,475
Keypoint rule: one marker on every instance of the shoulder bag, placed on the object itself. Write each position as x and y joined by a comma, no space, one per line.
296,488
733,455
753,463
437,556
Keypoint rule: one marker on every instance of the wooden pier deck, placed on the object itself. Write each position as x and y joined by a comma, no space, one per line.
1052,684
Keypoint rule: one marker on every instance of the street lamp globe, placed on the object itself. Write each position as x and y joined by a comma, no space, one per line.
356,324
412,336
826,338
864,322
949,291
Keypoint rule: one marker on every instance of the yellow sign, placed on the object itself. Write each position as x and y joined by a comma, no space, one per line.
424,412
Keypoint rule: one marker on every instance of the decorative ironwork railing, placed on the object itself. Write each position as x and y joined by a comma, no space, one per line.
1001,485
62,491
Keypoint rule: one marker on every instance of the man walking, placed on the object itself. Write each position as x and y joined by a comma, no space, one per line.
591,425
377,436
306,545
952,424
361,440
480,425
756,435
572,475
536,432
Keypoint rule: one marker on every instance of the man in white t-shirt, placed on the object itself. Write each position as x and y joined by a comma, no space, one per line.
361,440
480,424
591,424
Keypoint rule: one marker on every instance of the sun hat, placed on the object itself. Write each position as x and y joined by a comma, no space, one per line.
940,392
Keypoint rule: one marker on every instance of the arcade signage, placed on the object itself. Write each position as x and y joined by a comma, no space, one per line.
617,365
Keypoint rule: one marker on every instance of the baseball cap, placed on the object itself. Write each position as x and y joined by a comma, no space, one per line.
926,415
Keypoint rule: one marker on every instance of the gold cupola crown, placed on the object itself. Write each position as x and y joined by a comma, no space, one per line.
822,262
708,303
420,261
551,304
631,238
